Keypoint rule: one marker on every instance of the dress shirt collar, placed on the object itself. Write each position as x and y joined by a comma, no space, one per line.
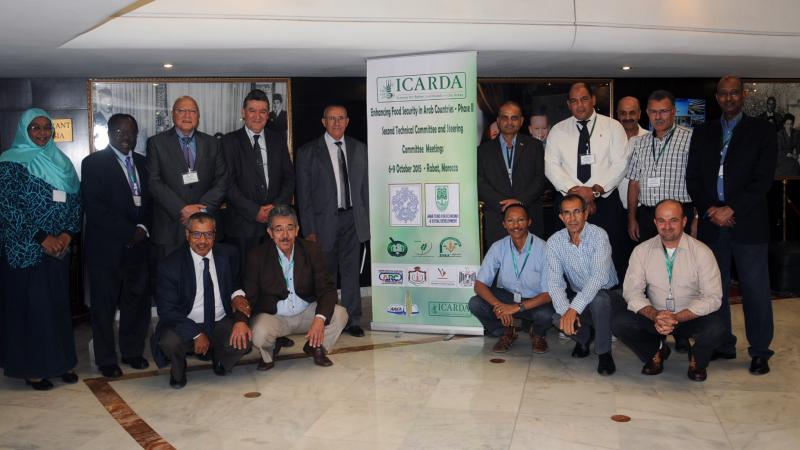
282,256
504,143
181,135
331,141
590,120
199,259
730,124
121,156
582,235
667,134
251,133
682,244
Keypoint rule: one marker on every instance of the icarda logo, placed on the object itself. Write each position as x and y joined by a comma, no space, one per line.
427,86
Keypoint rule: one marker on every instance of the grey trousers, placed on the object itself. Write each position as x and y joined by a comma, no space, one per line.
597,317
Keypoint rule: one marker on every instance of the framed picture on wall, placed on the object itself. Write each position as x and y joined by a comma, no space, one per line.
150,101
779,103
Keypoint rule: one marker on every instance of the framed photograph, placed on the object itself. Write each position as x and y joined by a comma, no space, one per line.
150,101
779,103
543,101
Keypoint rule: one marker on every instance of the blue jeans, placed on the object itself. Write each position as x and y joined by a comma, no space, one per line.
597,317
483,311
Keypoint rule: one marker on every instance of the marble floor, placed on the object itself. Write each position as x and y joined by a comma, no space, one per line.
397,391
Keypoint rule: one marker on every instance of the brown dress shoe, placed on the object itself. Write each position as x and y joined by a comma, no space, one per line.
263,366
695,373
506,340
656,364
318,353
538,344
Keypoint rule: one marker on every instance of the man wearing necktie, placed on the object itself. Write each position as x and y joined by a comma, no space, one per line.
260,172
200,304
333,202
187,174
510,171
586,155
118,212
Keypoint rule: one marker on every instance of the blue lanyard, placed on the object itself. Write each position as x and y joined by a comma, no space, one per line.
518,271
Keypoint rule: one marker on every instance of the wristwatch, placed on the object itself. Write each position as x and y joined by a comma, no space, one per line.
521,307
596,194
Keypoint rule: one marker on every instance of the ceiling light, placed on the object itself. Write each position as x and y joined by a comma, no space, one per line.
626,67
168,66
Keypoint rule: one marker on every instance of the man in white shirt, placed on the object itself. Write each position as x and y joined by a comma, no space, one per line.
586,155
628,113
199,302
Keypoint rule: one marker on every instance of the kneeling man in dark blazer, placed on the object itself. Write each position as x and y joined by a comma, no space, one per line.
198,298
290,291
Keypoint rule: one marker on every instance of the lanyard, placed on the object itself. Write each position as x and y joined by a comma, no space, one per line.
591,132
510,156
669,262
663,146
518,271
131,171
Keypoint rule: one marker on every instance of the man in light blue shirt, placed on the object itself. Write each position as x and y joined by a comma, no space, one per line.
518,262
581,252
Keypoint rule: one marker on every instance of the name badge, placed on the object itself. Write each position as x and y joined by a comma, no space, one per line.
587,159
720,171
59,196
517,297
137,200
190,177
653,182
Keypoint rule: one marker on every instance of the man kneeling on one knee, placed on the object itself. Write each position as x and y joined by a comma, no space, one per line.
290,292
518,262
672,286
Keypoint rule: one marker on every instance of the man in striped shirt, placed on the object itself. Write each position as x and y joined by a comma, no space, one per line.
581,252
657,167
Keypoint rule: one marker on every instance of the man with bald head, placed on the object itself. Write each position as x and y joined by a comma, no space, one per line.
672,286
628,113
187,175
730,170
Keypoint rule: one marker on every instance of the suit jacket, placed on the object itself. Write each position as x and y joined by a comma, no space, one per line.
166,165
265,284
317,192
278,122
528,177
749,170
111,215
176,288
247,191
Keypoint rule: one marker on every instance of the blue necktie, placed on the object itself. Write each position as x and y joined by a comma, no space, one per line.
132,176
208,299
187,151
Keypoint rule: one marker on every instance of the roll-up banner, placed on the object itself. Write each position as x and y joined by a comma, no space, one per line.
422,142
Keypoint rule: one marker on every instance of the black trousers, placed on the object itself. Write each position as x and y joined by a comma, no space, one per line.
123,286
175,349
344,260
541,317
639,333
645,215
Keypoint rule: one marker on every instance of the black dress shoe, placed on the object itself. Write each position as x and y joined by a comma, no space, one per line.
759,366
264,366
42,385
715,355
70,378
137,362
681,344
580,351
284,341
355,331
111,371
656,364
605,364
318,353
177,384
219,370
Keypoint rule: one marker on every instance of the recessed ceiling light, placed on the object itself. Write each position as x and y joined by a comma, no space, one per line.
626,67
168,66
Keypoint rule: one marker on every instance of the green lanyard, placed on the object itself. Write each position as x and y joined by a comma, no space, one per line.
518,271
664,146
670,261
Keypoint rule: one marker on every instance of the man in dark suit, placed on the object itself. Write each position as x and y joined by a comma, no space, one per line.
730,170
260,172
510,171
278,119
333,200
199,302
187,175
772,116
290,292
118,212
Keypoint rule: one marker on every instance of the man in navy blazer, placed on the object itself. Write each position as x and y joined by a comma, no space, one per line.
260,172
731,168
333,201
118,212
199,299
187,175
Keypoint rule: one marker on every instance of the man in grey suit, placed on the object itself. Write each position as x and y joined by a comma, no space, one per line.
333,200
187,175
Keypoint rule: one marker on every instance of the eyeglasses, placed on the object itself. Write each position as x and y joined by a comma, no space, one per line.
287,228
186,111
36,128
206,234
